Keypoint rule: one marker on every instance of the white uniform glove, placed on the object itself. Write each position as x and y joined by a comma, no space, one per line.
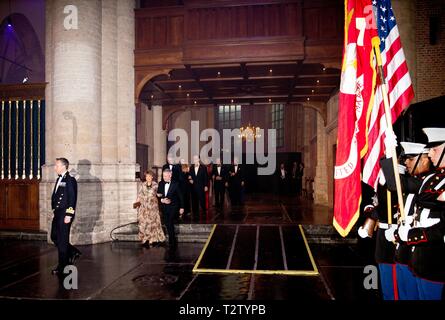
409,220
390,142
389,233
403,231
402,169
363,233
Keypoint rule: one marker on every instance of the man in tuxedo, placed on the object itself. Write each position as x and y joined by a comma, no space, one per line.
171,201
199,181
219,176
174,168
63,204
236,183
282,176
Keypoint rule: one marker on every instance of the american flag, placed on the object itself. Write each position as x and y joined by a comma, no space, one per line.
400,89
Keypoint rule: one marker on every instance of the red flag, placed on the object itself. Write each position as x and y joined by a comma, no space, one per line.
357,87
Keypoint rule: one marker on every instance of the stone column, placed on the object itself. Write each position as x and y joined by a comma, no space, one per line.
159,139
321,174
90,113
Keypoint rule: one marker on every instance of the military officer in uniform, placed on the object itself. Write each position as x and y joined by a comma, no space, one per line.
418,166
63,204
375,208
426,234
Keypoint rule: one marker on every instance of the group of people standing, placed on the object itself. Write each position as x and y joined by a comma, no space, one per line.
410,252
290,181
184,191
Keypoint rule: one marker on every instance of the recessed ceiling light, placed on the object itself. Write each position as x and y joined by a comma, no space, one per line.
231,100
270,100
308,99
313,90
188,94
270,70
219,73
179,86
324,68
194,102
318,81
152,96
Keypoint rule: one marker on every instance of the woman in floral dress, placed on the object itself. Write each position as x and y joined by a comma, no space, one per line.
150,229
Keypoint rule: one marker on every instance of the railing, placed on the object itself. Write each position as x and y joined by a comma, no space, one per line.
22,130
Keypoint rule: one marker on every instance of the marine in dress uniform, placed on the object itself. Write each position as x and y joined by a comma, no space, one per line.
426,235
375,208
63,204
417,167
424,231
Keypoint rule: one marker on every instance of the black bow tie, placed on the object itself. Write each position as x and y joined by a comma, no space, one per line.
60,175
167,183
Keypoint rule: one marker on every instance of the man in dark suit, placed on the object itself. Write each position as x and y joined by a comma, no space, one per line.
199,181
174,168
282,176
63,204
171,201
219,176
236,183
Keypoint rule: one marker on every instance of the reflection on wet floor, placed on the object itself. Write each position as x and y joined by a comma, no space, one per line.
124,270
267,209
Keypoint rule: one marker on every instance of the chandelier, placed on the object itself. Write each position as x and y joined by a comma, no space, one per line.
249,133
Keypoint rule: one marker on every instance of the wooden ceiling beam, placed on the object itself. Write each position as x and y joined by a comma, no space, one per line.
321,75
294,81
198,81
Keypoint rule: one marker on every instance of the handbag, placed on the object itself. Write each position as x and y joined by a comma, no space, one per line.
136,205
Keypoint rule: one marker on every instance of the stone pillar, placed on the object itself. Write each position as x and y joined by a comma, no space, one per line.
159,139
321,174
90,114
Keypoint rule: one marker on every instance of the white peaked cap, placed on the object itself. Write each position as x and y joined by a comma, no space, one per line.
411,148
436,136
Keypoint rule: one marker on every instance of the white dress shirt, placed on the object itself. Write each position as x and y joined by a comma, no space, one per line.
60,180
167,186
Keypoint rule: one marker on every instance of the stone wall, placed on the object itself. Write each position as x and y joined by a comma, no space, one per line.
90,115
430,58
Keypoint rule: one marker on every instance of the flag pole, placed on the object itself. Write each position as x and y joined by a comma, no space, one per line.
391,130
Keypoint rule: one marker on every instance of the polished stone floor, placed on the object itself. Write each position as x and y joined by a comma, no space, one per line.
267,208
125,270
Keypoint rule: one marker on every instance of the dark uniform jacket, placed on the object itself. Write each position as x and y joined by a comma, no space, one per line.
427,242
425,253
63,201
